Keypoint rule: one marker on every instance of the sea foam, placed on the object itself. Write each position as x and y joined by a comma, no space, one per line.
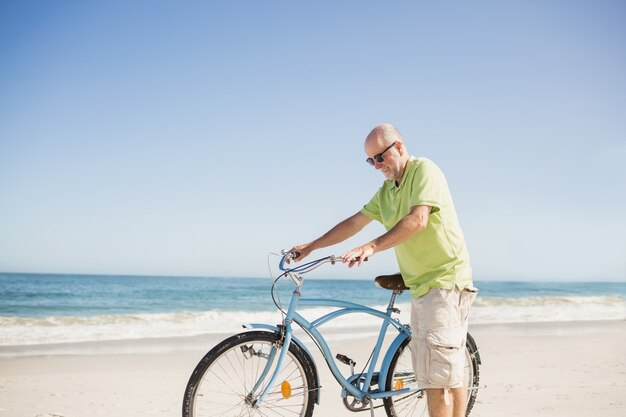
20,331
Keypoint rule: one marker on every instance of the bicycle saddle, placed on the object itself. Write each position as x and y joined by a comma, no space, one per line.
391,282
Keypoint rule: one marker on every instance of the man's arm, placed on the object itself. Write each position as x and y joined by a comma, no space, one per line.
414,222
342,231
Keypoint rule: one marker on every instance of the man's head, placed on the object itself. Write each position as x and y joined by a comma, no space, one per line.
386,143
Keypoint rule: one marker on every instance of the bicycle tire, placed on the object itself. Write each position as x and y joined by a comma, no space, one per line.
220,383
415,404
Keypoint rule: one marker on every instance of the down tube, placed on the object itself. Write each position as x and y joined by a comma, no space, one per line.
349,308
302,322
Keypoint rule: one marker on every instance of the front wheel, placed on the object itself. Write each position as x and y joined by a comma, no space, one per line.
229,379
414,404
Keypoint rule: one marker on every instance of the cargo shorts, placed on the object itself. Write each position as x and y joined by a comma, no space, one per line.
439,322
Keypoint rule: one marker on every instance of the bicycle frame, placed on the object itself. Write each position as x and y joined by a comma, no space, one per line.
353,384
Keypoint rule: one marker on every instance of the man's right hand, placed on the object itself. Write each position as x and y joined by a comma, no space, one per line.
302,251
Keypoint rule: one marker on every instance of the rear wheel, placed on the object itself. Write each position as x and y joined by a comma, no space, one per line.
414,404
229,379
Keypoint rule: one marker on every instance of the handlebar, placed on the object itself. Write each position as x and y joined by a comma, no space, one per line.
295,273
309,266
304,268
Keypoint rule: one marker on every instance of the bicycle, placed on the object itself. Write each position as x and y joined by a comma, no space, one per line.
268,371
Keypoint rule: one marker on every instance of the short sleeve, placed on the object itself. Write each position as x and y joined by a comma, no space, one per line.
372,209
428,186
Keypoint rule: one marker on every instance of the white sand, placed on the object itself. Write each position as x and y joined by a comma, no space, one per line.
548,369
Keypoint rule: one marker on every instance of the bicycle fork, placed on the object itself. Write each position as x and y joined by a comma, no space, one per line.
285,341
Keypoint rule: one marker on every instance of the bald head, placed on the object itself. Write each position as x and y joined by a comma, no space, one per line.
383,135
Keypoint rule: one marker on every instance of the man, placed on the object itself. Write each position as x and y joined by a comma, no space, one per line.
415,206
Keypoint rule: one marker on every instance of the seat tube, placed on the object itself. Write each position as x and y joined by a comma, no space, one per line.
285,347
379,344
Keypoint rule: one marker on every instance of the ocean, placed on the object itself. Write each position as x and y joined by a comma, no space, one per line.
38,309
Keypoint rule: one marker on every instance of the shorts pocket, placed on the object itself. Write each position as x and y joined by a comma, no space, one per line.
445,367
468,295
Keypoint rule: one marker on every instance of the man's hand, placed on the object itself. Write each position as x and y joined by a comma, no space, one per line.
342,231
358,255
303,251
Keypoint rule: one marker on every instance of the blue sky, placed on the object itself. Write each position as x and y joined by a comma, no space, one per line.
192,138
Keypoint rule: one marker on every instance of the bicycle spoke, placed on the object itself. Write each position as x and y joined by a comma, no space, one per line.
221,379
411,404
225,387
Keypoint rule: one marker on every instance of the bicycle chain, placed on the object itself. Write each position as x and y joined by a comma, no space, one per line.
378,406
367,409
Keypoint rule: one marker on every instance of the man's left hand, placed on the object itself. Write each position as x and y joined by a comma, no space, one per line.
358,255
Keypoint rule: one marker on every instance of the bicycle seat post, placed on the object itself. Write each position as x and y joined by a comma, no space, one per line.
392,301
396,284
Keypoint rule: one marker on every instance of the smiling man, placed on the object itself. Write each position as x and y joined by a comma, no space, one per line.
415,207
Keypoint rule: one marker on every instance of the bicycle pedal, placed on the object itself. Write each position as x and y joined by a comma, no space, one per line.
344,359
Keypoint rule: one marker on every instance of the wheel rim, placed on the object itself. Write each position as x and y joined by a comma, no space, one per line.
226,387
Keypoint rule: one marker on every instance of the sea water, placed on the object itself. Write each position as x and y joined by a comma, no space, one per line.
51,308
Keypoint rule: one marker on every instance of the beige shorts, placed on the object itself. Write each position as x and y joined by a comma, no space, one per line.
439,322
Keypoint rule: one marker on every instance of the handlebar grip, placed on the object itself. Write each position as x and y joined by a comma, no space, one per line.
296,255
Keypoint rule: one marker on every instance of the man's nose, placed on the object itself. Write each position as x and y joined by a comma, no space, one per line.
378,165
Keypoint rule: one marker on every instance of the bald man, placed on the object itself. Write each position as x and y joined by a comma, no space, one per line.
415,206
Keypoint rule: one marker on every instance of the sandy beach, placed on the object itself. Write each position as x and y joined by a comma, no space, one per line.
538,369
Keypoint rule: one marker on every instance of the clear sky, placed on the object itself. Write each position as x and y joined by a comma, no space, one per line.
192,138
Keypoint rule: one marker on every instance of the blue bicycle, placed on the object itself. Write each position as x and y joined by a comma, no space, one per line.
267,371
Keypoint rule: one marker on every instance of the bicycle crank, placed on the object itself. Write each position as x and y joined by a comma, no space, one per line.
354,404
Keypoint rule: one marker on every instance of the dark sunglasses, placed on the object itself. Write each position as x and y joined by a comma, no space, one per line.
379,157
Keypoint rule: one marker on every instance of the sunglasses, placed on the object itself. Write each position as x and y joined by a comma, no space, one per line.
379,157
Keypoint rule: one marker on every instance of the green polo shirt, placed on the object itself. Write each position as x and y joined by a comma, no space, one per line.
437,256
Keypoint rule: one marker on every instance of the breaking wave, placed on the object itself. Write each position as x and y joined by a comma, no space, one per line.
16,331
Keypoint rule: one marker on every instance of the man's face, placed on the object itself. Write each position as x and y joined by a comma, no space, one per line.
391,164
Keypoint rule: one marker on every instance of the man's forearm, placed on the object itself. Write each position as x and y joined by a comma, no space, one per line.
412,223
342,231
409,225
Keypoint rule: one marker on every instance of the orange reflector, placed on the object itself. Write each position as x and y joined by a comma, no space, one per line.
285,389
399,384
